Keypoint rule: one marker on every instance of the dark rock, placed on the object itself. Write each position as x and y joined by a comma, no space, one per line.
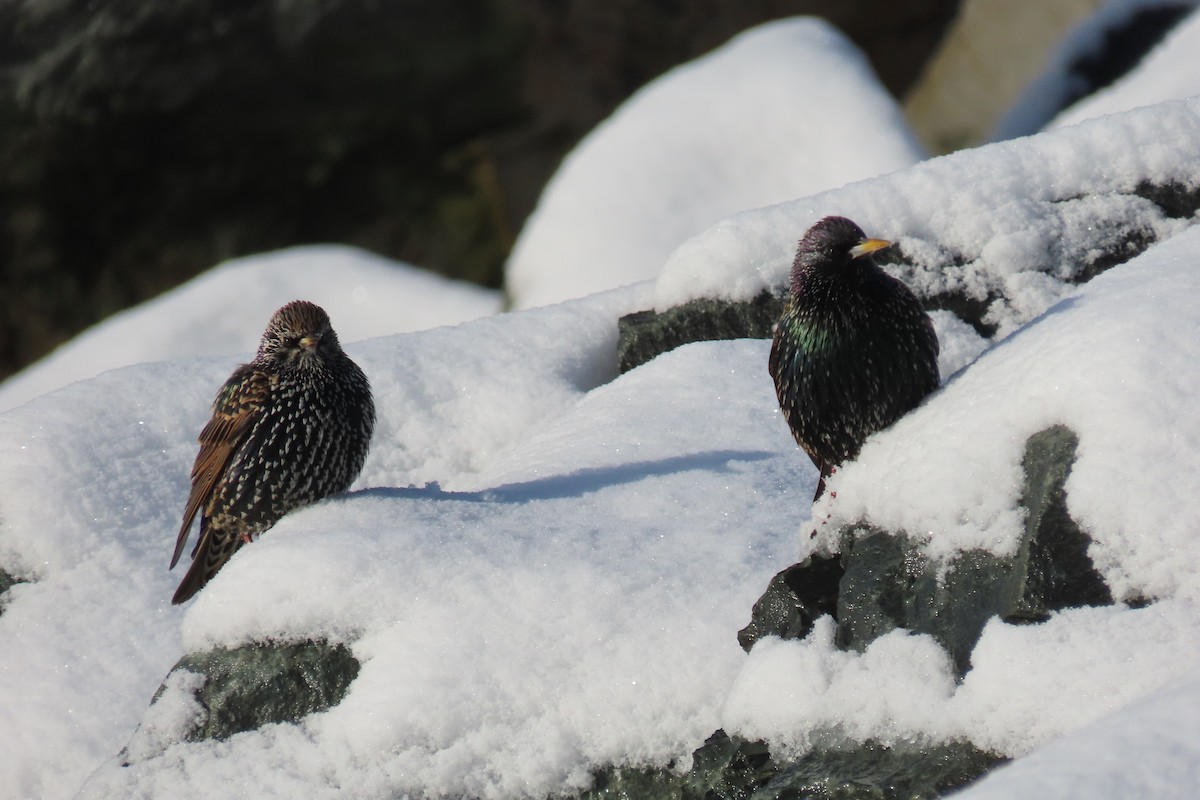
629,783
1177,200
889,585
646,334
7,581
248,687
794,600
1058,571
1120,49
1120,38
875,772
728,767
144,142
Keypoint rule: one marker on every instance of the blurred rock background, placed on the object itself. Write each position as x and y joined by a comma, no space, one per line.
143,142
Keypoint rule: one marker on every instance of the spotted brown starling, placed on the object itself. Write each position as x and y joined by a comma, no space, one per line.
288,429
853,351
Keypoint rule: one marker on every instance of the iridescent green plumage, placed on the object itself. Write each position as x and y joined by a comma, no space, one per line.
853,351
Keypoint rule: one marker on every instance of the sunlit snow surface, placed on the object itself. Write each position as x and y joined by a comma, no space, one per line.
565,595
543,566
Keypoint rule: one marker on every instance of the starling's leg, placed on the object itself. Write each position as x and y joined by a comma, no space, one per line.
827,469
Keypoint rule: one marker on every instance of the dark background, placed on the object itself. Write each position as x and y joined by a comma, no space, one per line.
144,142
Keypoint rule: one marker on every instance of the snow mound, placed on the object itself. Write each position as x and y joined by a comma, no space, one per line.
225,310
781,111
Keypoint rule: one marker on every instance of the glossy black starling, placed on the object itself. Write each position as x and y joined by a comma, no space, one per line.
853,352
287,429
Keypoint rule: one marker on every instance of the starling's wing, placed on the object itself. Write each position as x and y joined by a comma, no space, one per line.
217,547
782,365
238,405
776,357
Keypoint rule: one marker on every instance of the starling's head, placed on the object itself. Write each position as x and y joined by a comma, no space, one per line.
299,335
829,247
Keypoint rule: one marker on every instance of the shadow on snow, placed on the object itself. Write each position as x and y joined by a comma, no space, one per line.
580,482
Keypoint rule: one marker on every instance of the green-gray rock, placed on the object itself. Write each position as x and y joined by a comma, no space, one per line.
258,684
728,767
731,768
887,583
794,600
875,772
628,783
646,334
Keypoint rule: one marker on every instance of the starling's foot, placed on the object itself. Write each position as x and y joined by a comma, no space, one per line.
246,538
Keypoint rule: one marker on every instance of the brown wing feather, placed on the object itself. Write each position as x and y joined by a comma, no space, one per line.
235,410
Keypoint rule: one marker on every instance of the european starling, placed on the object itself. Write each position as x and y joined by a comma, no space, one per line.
288,429
853,351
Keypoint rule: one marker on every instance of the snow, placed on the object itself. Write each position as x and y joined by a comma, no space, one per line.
224,311
543,566
470,602
1147,749
784,110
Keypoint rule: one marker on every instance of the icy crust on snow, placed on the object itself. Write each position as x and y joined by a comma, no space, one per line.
1011,221
225,310
784,110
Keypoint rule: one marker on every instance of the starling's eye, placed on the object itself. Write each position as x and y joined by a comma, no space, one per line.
291,342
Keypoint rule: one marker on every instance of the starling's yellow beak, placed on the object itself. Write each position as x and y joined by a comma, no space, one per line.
868,246
310,341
